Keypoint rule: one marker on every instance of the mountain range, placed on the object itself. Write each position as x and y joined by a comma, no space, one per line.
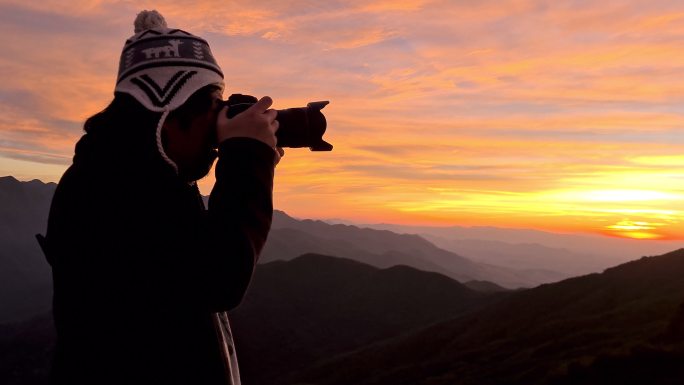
25,281
340,304
325,320
554,333
290,238
317,306
464,254
566,253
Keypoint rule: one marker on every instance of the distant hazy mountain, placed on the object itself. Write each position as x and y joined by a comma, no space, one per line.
563,333
560,255
290,237
608,250
531,255
25,280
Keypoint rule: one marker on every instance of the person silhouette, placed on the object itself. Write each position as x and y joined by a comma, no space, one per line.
143,273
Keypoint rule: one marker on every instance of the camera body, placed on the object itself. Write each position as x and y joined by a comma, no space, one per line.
298,127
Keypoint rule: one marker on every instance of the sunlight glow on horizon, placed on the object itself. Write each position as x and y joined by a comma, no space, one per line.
556,116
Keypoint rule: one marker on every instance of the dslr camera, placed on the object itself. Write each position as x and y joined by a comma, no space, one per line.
297,127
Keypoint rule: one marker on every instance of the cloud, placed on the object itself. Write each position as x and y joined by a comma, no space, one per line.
35,157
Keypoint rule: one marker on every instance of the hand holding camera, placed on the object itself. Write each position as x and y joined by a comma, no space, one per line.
257,122
297,127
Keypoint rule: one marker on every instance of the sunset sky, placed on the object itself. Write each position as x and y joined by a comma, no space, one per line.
564,116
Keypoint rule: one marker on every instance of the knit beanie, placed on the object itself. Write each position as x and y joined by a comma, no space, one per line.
162,67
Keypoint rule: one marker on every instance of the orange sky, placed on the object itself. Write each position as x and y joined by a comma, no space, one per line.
564,116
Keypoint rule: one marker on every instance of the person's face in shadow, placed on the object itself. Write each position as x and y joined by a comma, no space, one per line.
192,144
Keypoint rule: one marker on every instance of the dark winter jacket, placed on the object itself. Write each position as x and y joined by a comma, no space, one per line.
140,268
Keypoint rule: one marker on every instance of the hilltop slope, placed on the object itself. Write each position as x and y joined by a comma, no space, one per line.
532,336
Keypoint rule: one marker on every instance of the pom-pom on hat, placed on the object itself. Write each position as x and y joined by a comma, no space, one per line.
162,67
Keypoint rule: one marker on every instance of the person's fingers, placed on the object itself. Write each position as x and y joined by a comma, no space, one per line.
262,105
271,114
258,122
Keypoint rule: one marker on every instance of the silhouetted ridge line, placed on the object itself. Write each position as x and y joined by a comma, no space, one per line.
544,335
317,306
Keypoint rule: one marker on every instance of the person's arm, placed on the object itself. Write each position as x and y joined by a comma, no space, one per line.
239,215
241,203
